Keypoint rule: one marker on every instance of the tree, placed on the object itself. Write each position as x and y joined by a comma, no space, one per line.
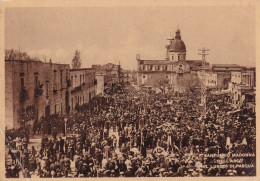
76,61
161,82
189,82
11,54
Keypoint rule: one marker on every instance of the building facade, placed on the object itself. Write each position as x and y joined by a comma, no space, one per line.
100,88
171,70
82,87
34,87
112,74
232,79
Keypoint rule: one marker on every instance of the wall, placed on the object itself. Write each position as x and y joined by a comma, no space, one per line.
82,92
100,84
39,84
9,109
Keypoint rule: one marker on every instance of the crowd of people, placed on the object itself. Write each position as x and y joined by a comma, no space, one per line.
145,134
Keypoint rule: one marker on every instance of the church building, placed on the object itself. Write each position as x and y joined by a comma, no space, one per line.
167,72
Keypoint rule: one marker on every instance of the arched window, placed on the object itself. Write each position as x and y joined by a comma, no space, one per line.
180,67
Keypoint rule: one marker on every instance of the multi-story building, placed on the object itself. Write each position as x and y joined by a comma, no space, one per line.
211,80
224,75
82,86
111,76
115,71
35,87
236,77
127,76
242,87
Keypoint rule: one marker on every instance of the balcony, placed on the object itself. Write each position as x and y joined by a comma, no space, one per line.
68,83
37,92
24,95
55,90
76,89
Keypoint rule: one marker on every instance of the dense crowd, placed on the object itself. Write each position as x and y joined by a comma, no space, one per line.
145,134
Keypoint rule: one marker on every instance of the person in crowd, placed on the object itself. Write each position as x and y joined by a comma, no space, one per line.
138,134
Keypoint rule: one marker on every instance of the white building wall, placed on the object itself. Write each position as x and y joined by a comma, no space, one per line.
100,84
236,77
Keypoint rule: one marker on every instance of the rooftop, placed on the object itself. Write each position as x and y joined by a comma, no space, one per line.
81,69
225,66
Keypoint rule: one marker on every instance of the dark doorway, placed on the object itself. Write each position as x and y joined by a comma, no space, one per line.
67,102
90,96
47,111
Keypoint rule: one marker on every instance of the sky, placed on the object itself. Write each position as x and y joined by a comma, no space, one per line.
113,34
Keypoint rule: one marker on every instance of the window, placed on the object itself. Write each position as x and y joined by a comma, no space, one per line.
54,72
80,79
179,57
172,57
36,80
55,109
61,108
67,74
47,89
61,77
151,67
180,67
144,77
72,103
22,83
180,74
72,81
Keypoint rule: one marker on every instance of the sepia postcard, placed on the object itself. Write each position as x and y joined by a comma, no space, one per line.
134,89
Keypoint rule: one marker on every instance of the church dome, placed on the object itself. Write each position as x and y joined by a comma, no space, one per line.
177,45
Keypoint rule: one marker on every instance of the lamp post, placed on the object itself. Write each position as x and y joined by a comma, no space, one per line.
203,88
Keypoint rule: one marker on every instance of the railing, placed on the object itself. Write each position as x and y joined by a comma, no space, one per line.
78,88
68,83
37,92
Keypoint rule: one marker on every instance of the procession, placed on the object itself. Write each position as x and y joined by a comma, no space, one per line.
140,133
129,91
